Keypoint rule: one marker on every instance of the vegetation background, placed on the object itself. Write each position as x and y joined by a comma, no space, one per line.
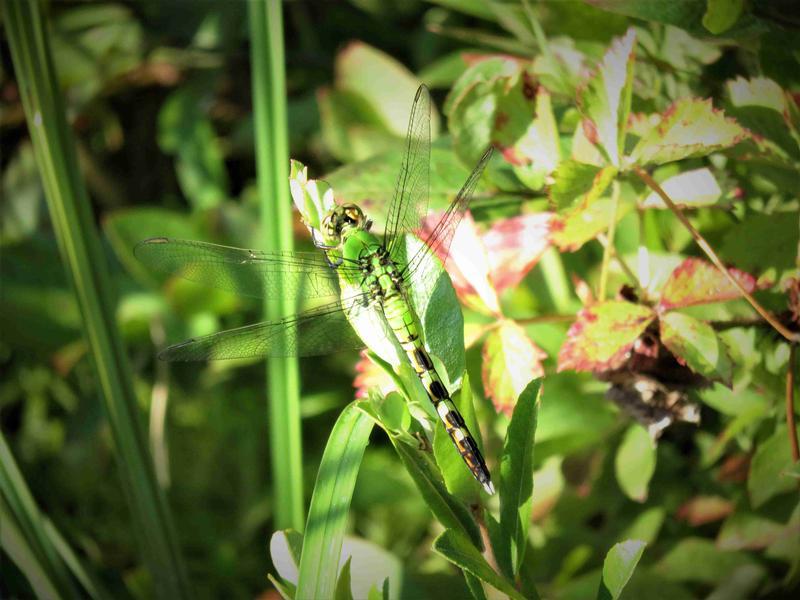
572,265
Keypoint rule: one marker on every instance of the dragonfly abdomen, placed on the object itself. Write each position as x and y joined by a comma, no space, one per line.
401,319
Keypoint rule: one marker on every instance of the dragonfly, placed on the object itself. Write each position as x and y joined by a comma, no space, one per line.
357,267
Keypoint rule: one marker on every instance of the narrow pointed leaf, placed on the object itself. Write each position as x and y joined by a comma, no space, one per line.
516,474
635,462
457,548
618,567
330,501
343,591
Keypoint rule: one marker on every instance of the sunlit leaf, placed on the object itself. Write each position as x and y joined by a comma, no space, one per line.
510,361
342,591
573,229
690,127
618,567
691,189
764,244
602,335
696,281
696,343
383,82
606,99
285,548
370,567
514,246
312,197
578,184
456,548
635,462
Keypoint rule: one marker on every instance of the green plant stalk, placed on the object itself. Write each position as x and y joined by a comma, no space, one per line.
80,248
608,249
272,168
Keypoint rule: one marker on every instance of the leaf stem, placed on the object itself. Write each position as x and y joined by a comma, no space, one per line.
538,32
608,249
790,404
623,265
706,247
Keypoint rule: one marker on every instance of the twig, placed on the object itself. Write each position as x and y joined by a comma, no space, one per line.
706,247
545,319
159,399
790,404
623,265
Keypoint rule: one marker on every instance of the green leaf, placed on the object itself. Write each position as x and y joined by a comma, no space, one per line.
602,335
474,585
689,128
691,189
577,226
457,478
605,101
768,468
748,531
312,197
516,474
579,184
447,509
457,548
342,591
721,15
510,361
635,462
285,589
185,132
761,105
764,244
618,567
696,343
330,501
646,525
699,560
372,568
525,130
385,84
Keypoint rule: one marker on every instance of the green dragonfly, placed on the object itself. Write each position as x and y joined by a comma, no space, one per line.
359,268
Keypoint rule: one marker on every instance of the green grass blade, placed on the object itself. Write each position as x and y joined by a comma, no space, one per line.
80,248
330,502
272,168
23,534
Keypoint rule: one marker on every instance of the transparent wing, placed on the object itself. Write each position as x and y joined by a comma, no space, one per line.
410,201
245,272
438,241
318,331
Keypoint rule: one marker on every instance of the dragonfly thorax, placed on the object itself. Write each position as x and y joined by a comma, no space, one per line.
341,220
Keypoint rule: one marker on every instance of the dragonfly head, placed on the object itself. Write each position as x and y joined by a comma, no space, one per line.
341,219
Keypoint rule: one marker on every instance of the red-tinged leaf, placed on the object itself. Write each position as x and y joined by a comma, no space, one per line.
691,188
467,264
572,230
605,101
696,281
510,361
368,376
696,344
690,127
514,246
704,509
525,130
578,184
602,336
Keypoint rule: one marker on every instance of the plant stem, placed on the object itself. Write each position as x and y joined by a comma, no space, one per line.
608,249
623,265
706,247
272,168
790,404
82,253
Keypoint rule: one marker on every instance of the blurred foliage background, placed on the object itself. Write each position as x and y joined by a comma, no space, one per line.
158,97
